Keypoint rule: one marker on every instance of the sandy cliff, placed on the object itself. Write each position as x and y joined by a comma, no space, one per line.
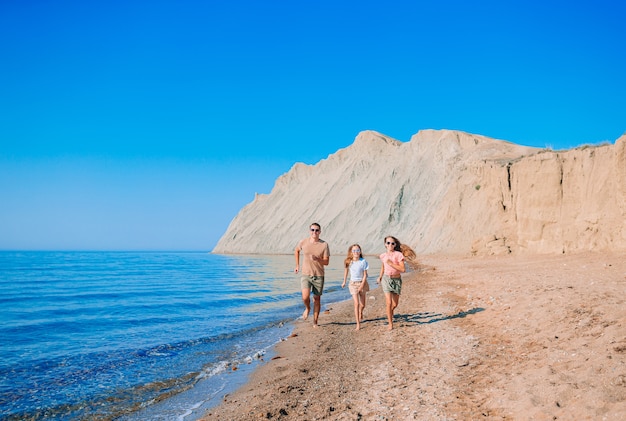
444,192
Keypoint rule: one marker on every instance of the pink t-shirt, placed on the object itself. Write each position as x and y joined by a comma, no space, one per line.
396,257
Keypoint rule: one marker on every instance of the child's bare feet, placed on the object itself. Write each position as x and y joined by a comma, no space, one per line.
358,327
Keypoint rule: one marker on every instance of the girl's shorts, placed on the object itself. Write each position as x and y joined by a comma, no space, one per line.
354,287
391,284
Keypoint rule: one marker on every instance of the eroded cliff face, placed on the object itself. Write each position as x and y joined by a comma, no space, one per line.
444,192
559,202
570,201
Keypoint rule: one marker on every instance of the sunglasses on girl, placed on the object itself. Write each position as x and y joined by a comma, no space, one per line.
390,243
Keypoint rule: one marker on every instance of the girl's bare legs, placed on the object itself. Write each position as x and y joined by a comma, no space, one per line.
391,301
389,309
361,304
355,299
395,298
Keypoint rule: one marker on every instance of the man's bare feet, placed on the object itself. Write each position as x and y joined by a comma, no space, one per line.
315,325
390,327
305,315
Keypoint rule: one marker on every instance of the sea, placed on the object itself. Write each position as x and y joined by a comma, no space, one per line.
133,336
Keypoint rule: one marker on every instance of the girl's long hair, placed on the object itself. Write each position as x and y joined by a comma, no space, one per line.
409,254
349,257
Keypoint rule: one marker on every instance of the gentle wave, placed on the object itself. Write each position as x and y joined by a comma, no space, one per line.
90,335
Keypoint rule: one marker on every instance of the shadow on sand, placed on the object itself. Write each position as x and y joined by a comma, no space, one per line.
427,318
419,318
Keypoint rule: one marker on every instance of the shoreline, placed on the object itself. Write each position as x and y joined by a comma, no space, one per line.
515,337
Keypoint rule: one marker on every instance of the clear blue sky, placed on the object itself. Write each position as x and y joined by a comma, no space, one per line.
147,125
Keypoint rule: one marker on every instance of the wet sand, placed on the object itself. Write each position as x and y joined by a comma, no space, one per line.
497,338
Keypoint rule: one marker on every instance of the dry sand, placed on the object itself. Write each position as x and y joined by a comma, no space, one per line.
513,338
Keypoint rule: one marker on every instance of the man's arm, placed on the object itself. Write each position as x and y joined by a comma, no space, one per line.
297,256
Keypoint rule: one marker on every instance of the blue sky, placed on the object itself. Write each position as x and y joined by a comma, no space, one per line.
147,125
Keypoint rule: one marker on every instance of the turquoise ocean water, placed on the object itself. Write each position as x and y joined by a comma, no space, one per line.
139,335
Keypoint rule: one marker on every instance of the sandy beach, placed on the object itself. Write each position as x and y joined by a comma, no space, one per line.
493,338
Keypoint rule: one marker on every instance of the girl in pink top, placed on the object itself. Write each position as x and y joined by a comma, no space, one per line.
393,264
